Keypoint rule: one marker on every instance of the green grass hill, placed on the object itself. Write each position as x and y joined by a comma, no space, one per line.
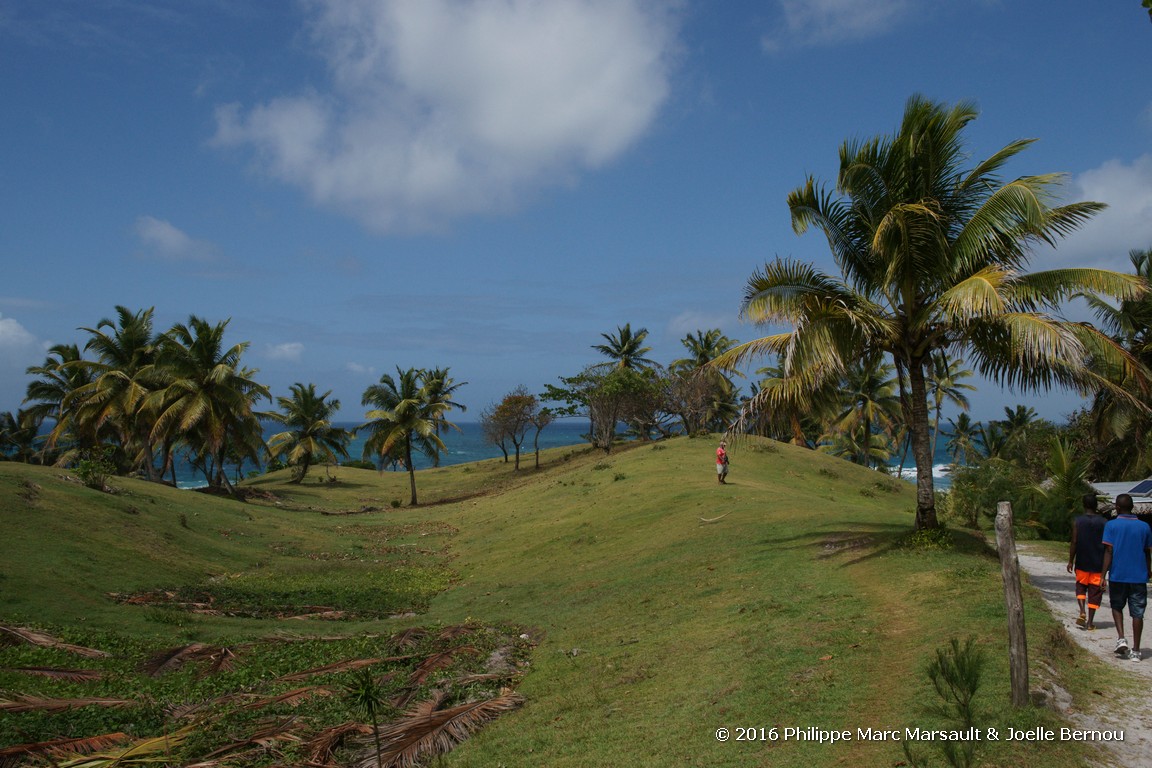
630,602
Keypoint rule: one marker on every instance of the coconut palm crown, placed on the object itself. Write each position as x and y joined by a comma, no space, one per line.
931,257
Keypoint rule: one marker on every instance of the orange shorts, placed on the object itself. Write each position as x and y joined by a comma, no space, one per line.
1087,577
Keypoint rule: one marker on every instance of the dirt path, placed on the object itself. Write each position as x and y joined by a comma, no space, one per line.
1131,715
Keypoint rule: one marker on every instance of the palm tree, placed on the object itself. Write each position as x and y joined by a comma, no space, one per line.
931,257
403,416
858,447
311,436
796,413
626,348
203,396
947,388
441,388
125,351
61,374
1122,428
870,409
963,437
17,436
719,394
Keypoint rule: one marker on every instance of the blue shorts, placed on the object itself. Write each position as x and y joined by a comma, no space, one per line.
1135,596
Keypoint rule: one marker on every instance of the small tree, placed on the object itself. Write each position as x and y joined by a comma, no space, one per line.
494,430
509,421
540,419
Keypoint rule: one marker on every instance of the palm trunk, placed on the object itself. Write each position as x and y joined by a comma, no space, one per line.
798,437
918,431
411,469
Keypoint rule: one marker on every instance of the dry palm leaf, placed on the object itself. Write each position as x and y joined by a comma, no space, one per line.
155,750
267,736
456,632
410,637
348,665
483,677
75,746
291,698
42,640
321,747
23,703
438,661
218,658
423,734
73,675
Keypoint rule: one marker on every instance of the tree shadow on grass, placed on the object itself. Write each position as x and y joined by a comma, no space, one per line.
874,540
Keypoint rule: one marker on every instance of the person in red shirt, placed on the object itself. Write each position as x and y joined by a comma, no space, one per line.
722,462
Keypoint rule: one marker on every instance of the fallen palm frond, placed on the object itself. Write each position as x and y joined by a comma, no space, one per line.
266,737
483,677
24,703
218,658
72,675
321,748
348,665
456,632
291,698
81,746
423,734
437,662
155,750
409,638
43,640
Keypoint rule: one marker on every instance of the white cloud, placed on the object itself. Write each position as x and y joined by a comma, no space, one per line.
443,108
689,322
290,351
1127,222
15,338
808,22
18,350
357,368
161,240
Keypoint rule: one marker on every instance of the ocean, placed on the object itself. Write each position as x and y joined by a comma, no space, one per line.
468,444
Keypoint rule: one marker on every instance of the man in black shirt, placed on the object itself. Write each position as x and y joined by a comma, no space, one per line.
1086,559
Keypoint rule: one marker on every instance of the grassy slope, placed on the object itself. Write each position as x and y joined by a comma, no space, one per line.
796,609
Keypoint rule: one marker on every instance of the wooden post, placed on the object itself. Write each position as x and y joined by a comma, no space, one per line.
1010,570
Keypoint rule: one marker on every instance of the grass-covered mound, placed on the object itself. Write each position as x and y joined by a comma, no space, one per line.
666,605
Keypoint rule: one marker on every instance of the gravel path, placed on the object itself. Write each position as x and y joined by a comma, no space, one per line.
1133,715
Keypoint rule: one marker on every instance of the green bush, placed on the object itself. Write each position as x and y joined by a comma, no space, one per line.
977,490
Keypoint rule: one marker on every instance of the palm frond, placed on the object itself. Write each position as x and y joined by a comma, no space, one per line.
1053,286
44,640
72,675
26,703
423,734
218,658
267,735
981,295
77,746
292,698
146,751
321,747
409,638
437,662
347,665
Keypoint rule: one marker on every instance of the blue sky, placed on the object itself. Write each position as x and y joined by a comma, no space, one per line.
489,185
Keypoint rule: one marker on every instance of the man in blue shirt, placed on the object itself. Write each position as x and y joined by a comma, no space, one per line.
1127,561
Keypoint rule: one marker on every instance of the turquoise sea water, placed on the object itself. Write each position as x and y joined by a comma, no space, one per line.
468,444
